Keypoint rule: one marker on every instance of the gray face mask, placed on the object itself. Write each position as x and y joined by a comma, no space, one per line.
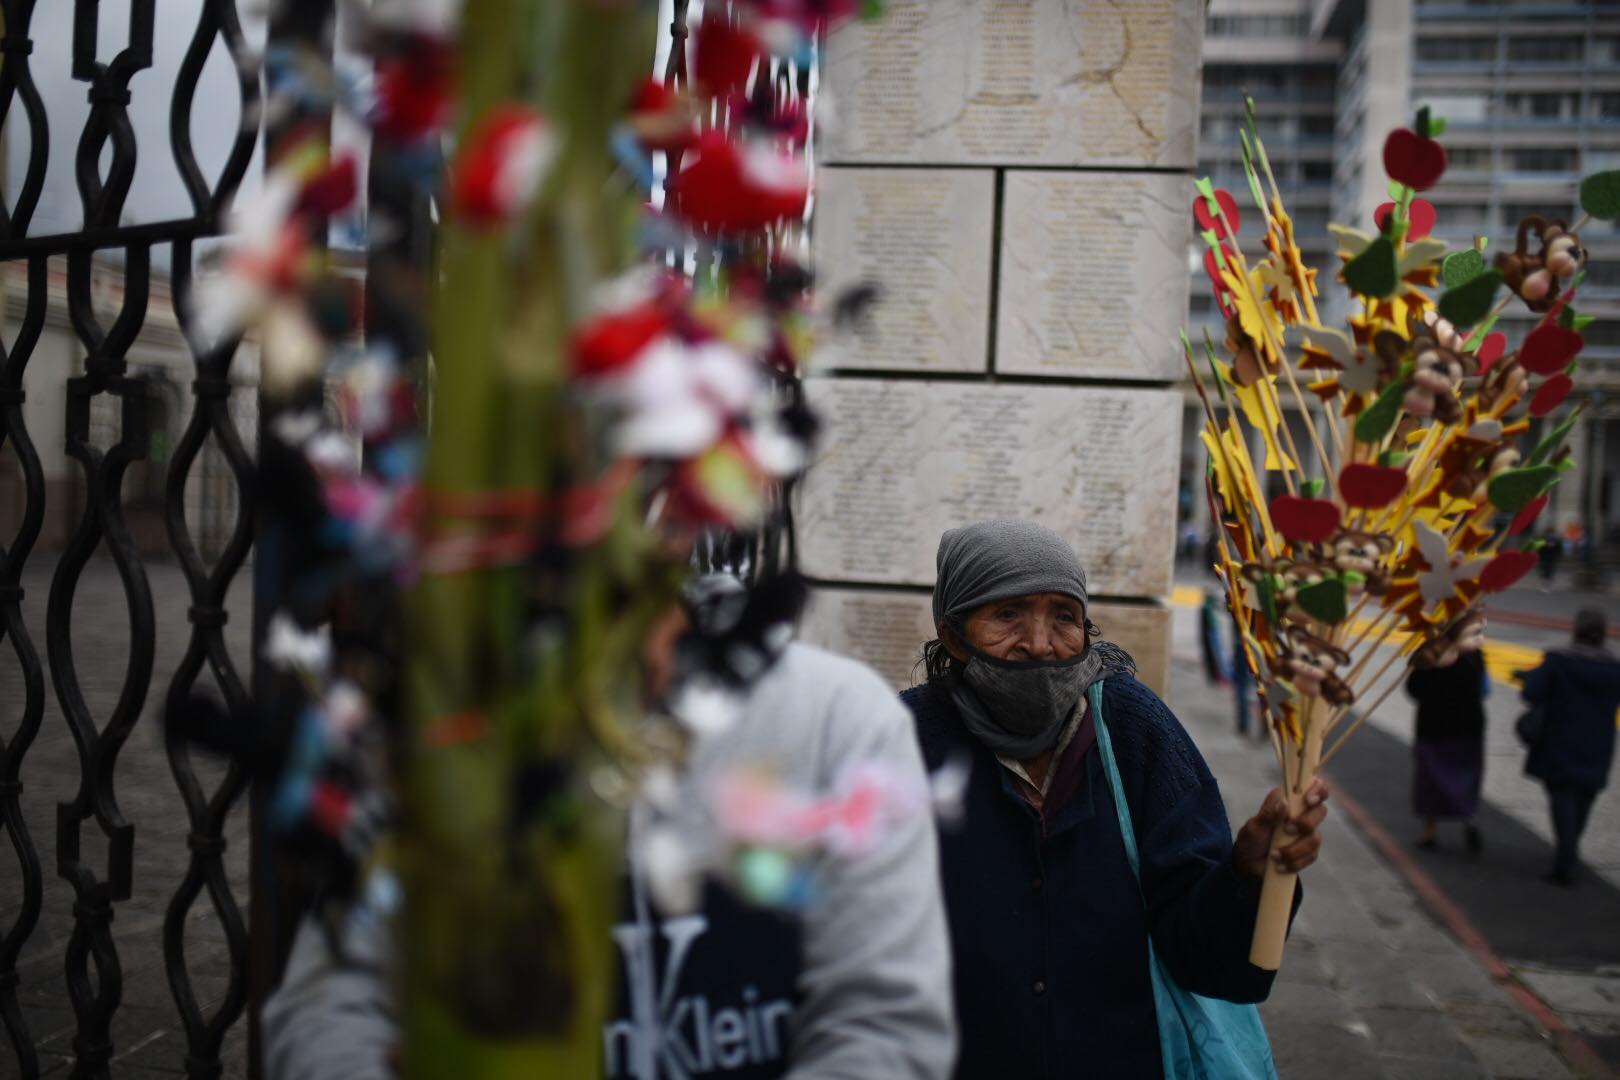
1018,707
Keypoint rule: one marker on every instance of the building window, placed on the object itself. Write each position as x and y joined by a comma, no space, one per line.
1605,106
1545,106
1457,216
1316,126
1603,274
1605,334
1257,25
1468,158
1450,50
1316,172
1513,213
1542,160
1459,108
1544,49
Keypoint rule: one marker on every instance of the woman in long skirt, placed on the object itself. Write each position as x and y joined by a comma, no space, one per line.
1449,685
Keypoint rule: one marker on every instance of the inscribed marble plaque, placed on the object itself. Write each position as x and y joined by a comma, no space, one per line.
1069,244
902,461
923,236
886,629
1013,82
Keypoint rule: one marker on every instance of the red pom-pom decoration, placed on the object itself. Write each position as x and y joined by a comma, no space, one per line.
723,54
498,170
610,342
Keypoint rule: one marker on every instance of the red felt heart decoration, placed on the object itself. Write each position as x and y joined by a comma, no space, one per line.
1213,269
1527,517
1218,222
723,54
1551,394
734,188
1419,218
1413,160
1490,350
1549,348
1306,520
1371,486
1507,568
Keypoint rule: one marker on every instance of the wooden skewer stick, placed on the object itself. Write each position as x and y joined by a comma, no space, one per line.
1277,888
1361,719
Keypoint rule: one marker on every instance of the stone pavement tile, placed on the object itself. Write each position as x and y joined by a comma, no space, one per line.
1594,993
1400,1067
1322,1050
1425,1032
1376,977
1517,1059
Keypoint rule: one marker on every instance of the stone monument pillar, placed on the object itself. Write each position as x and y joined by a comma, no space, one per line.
1017,176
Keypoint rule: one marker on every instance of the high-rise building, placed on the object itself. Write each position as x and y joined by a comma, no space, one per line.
1530,92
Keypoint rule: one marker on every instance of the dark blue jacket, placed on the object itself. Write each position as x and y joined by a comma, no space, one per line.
1579,690
1049,933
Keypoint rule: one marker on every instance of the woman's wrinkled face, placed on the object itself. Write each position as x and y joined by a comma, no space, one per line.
1041,626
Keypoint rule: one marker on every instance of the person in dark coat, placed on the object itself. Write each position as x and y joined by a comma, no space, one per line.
1448,750
1577,689
1049,929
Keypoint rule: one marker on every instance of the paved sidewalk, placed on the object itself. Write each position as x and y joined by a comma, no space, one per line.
1371,985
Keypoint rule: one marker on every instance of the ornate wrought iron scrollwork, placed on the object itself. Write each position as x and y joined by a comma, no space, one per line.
12,751
104,180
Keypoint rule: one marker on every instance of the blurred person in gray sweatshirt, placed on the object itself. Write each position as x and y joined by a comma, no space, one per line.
855,984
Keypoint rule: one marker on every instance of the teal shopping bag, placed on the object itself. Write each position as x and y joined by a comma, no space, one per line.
1200,1038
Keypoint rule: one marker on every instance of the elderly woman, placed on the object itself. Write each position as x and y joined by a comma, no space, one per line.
1048,926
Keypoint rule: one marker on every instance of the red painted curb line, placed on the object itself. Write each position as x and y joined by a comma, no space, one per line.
1576,1050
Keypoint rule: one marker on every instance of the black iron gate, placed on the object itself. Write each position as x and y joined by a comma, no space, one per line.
94,845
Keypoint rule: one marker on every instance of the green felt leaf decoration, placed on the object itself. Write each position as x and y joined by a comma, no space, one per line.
1461,267
1437,126
1600,195
1533,545
1376,419
1477,338
1323,600
1373,272
1570,319
1554,438
1396,189
1268,598
1471,301
1512,491
1393,459
1312,488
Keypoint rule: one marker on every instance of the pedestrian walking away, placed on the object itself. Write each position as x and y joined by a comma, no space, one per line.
1574,693
1449,685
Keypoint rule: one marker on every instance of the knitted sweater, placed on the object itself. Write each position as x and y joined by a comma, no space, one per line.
1049,933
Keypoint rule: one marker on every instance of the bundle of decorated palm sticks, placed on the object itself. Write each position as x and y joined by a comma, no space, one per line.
1367,548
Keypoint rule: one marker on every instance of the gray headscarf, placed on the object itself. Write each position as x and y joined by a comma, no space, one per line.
1016,708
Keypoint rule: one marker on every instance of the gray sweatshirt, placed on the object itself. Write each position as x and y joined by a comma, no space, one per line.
873,995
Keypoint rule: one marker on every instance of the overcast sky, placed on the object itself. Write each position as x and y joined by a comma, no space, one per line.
156,193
